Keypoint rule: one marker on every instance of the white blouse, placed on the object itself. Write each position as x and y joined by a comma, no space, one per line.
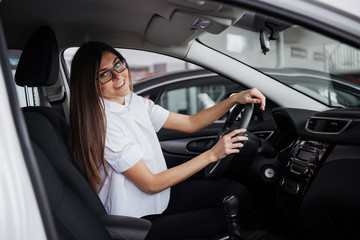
131,136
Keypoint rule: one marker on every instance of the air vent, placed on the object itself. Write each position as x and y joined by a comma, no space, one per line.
326,125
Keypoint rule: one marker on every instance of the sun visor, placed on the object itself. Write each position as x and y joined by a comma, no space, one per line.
256,22
182,27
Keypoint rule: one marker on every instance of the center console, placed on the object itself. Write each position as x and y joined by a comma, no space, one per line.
305,158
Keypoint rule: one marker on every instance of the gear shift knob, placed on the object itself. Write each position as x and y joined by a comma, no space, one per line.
231,205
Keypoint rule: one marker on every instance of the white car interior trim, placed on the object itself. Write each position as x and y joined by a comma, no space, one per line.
20,216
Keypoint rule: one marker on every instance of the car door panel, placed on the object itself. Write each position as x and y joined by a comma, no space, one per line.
179,147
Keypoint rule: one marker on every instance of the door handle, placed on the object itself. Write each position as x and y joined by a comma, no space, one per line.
200,145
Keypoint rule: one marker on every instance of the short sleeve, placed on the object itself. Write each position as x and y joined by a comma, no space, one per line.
158,115
121,152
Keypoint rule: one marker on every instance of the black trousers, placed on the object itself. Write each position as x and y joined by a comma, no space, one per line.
195,210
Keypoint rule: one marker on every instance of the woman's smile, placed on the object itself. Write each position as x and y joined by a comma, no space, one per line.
120,84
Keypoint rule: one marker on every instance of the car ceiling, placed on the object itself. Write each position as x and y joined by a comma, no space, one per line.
121,23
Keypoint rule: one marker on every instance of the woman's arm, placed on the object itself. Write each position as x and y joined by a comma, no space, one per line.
193,123
151,183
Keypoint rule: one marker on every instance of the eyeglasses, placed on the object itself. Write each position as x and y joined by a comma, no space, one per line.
108,75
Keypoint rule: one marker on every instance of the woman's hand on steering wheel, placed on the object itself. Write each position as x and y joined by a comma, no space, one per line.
252,95
239,118
228,144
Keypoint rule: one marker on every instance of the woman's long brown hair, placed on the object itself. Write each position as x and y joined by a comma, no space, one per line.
87,114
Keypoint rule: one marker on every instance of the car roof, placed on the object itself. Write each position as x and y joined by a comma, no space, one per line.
119,23
157,25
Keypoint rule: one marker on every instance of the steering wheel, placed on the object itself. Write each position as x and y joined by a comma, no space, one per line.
216,169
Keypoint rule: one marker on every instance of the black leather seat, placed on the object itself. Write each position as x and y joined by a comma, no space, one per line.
76,209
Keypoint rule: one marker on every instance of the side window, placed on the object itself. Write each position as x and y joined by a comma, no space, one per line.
193,96
152,94
142,63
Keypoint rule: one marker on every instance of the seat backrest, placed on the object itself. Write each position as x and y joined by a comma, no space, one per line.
49,130
76,208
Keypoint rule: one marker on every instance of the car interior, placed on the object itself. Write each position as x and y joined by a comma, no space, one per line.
301,161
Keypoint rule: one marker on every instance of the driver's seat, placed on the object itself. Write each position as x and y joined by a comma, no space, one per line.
76,209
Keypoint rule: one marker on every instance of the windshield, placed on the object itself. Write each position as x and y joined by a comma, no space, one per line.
318,66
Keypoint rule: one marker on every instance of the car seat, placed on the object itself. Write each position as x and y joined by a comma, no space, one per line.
76,209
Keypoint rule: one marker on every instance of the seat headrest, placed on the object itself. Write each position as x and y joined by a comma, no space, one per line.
39,62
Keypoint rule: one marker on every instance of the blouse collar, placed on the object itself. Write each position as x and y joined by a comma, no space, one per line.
117,107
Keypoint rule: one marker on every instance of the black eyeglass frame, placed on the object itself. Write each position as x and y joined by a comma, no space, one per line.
123,62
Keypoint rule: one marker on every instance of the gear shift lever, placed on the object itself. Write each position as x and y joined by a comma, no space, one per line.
231,205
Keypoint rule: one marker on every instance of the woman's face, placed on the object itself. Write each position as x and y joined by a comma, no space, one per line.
116,89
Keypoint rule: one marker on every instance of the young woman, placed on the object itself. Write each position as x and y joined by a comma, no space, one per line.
113,141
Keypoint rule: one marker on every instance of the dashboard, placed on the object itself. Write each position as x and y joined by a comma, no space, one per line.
321,155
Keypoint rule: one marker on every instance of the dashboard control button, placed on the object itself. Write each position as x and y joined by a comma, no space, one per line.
269,172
